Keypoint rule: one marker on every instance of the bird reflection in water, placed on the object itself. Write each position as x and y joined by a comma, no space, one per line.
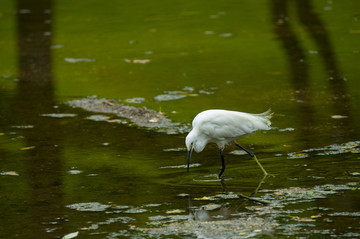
226,210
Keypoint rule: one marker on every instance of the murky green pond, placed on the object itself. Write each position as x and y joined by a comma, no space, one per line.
68,172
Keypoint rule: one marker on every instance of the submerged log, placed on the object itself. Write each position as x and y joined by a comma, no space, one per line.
142,117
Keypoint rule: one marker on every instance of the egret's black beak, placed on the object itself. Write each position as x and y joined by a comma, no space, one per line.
188,158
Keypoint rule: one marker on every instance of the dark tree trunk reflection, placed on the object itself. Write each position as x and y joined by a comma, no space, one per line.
299,67
35,95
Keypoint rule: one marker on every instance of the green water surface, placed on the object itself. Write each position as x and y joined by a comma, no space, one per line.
67,174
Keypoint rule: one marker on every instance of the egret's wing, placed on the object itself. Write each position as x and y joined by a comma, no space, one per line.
225,127
221,124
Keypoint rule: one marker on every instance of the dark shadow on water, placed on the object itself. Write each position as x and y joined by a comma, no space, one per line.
299,68
35,96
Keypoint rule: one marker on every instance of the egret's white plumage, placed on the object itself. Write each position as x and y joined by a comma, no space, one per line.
222,127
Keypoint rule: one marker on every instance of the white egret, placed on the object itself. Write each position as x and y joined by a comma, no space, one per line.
221,127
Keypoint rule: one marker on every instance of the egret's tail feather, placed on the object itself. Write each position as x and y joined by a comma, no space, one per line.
267,114
264,119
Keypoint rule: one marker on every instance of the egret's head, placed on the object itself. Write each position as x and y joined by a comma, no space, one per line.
195,141
189,140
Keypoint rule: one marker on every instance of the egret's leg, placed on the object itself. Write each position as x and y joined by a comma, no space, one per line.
253,156
222,163
257,161
246,150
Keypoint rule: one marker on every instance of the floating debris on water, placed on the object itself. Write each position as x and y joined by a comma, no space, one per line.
238,152
176,94
297,155
286,129
229,195
225,35
302,219
117,219
206,92
117,121
205,198
334,149
56,46
154,220
121,207
183,195
338,116
293,195
167,97
137,61
71,235
346,214
98,117
135,100
23,126
88,207
24,11
188,88
27,148
74,171
9,173
175,211
75,60
313,52
211,206
157,218
355,173
141,61
135,210
153,205
59,115
209,32
194,165
175,150
221,218
238,228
